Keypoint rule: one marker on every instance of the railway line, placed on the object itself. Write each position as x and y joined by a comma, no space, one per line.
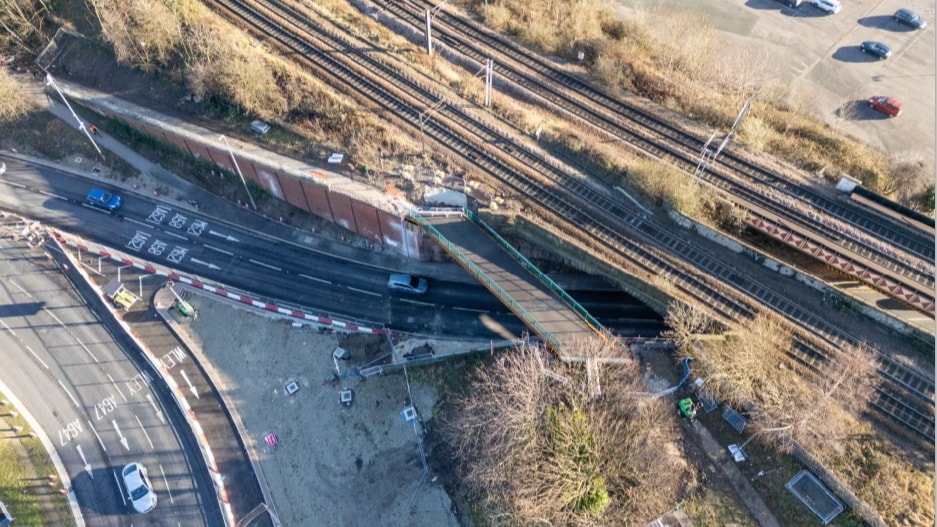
848,231
573,203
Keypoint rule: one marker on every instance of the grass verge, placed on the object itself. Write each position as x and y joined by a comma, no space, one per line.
24,483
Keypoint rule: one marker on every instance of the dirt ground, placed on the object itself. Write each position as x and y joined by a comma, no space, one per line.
333,464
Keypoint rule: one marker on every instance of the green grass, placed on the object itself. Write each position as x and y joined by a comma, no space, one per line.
30,499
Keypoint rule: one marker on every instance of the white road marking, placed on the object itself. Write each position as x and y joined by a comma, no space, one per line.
123,440
159,413
53,195
70,396
314,279
213,248
181,237
20,288
206,264
144,431
97,436
417,302
138,222
8,328
187,381
167,484
227,237
85,461
46,366
86,349
120,490
471,309
12,184
57,319
253,261
118,387
372,293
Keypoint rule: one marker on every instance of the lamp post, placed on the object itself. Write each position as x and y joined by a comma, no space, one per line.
81,124
238,169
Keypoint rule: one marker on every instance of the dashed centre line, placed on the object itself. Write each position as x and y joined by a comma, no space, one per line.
262,264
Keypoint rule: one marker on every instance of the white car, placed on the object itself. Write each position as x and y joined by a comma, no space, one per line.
139,488
830,6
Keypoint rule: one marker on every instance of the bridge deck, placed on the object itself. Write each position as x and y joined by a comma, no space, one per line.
542,310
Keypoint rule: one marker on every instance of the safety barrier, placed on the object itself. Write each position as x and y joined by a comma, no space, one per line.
534,270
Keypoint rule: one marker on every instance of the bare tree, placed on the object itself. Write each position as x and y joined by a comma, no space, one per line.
541,450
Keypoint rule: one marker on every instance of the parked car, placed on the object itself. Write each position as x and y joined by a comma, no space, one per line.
259,127
875,48
910,18
103,199
407,283
887,105
139,488
830,6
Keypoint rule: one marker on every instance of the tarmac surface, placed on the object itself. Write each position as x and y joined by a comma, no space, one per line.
818,56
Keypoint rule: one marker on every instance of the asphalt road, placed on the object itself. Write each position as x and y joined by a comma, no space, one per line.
94,399
193,244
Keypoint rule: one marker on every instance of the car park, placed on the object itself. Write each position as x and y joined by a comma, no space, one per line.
407,284
139,489
875,48
103,199
910,19
887,105
830,6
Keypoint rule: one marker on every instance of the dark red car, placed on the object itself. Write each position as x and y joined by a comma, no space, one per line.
887,105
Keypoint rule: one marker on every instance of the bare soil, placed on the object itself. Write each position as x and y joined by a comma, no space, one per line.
333,464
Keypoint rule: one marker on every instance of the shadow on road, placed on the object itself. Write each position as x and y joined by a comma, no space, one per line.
886,22
853,54
859,110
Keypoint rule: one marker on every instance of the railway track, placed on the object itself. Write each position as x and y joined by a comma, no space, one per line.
579,205
848,230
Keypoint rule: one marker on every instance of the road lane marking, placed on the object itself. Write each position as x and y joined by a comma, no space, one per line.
138,222
159,413
417,302
213,248
37,357
57,319
187,381
86,349
253,261
167,484
85,461
473,310
118,387
314,279
20,288
120,490
170,233
123,440
70,396
99,438
144,432
8,328
63,198
372,293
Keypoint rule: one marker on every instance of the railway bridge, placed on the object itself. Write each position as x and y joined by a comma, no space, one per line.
540,303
